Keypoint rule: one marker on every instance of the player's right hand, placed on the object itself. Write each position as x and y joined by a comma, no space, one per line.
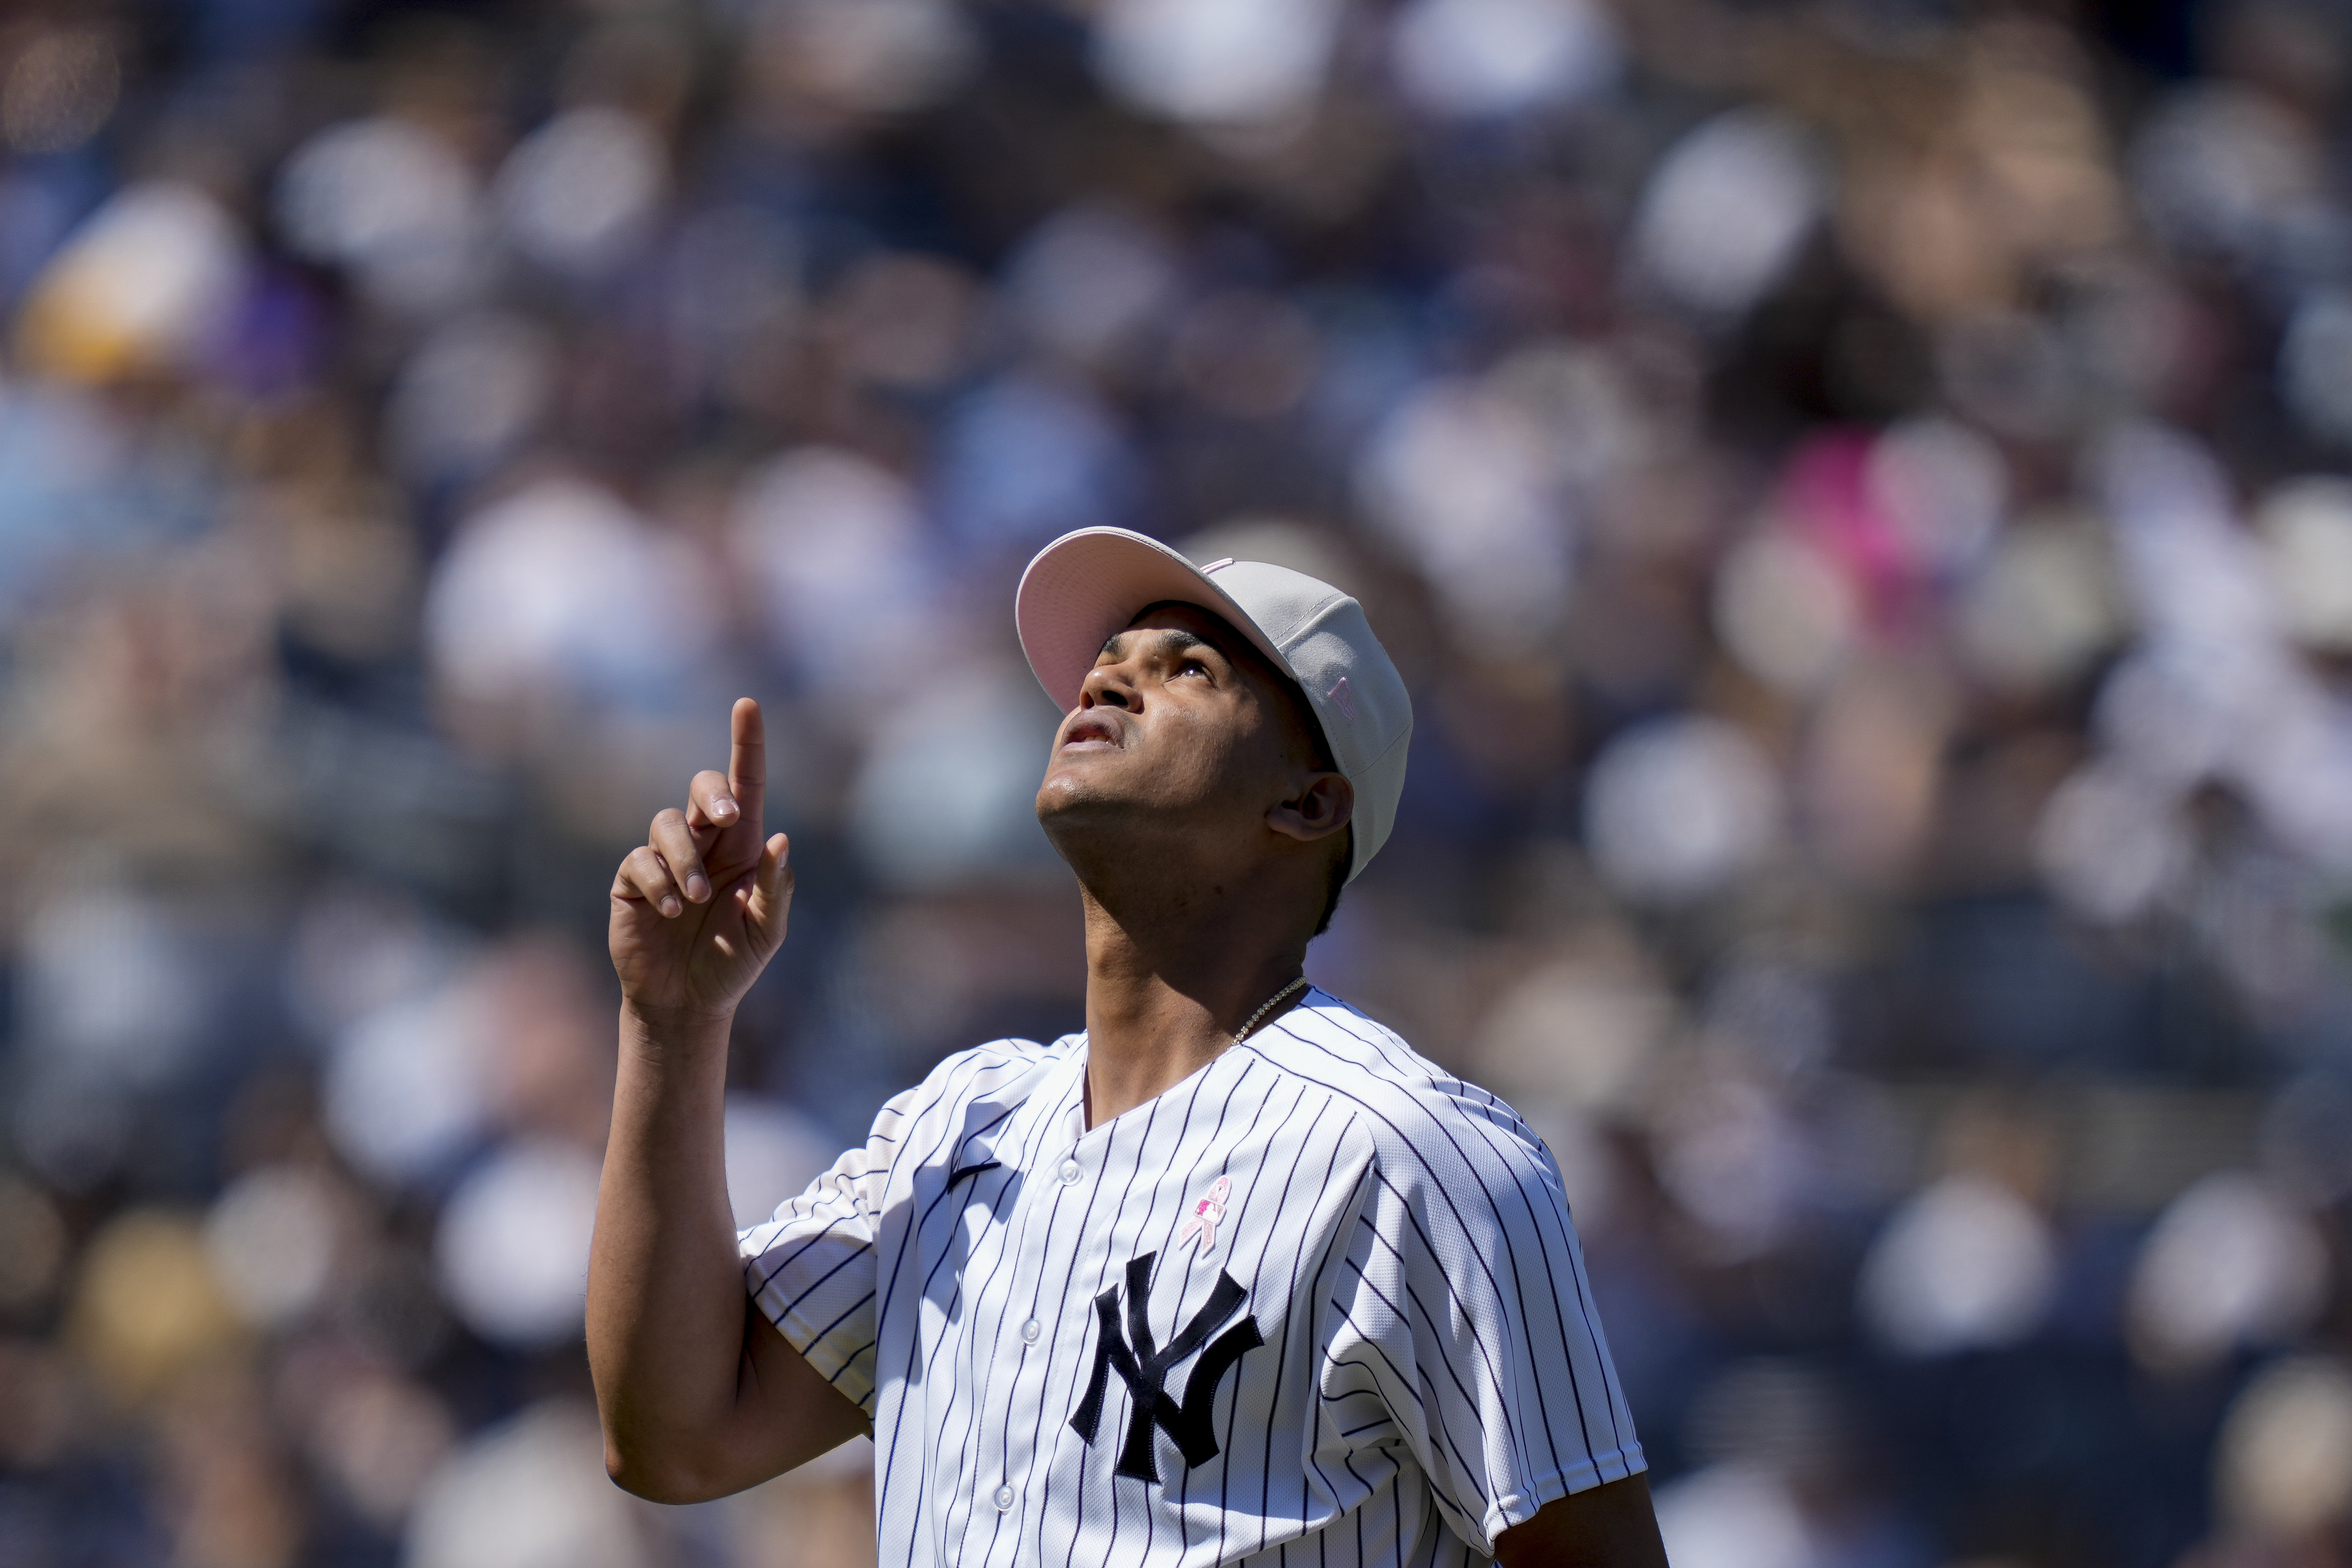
698,909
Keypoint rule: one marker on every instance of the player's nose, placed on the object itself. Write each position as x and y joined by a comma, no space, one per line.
1107,686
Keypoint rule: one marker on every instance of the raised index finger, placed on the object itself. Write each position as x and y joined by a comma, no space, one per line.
746,763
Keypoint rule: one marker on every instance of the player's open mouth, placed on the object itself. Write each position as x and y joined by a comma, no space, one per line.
1093,734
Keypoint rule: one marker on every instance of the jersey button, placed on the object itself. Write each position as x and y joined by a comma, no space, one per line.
1070,1173
1003,1500
1030,1331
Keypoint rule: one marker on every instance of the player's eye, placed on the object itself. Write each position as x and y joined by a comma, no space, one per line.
1192,666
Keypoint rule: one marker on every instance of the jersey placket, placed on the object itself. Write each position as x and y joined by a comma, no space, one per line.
960,1485
963,1489
1017,1332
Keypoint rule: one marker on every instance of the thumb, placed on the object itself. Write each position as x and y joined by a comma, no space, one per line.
771,893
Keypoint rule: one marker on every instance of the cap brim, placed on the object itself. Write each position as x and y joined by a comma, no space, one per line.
1087,586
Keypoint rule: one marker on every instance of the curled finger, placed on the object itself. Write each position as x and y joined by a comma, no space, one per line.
644,877
678,844
710,802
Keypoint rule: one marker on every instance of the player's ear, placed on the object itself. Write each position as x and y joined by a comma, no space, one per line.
1324,804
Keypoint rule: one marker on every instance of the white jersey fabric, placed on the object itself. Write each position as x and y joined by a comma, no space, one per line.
1320,1302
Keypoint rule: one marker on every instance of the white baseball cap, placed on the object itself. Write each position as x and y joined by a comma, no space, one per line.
1086,586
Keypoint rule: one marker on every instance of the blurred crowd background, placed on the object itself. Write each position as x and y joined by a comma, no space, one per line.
1857,487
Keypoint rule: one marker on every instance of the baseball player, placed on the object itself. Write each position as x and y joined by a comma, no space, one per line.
1233,1276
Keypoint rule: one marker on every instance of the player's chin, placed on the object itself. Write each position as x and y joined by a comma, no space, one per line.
1086,770
1084,783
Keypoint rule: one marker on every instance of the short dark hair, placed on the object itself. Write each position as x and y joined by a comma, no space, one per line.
1339,869
1321,751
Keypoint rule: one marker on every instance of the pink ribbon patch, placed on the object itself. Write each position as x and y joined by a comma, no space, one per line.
1203,1220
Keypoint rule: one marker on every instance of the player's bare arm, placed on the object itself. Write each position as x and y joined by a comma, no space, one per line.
698,1394
1611,1526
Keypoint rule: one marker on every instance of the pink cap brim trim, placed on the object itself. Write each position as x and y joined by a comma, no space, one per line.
1086,586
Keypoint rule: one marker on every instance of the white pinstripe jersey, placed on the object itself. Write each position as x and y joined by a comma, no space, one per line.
1371,1345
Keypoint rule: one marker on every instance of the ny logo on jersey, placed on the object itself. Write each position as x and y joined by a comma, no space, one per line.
1144,1370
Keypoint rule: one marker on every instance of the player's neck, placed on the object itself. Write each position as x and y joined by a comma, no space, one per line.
1170,980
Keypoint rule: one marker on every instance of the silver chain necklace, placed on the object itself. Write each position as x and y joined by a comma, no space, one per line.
1267,1007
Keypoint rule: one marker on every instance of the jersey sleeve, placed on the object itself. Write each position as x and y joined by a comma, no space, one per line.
1460,1326
812,1266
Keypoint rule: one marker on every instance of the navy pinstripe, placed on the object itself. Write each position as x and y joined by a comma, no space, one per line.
1362,1186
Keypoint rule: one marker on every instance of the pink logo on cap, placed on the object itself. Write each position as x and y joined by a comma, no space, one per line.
1344,697
1218,566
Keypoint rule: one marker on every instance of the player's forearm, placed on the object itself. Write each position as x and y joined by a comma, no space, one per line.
1611,1526
666,1299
